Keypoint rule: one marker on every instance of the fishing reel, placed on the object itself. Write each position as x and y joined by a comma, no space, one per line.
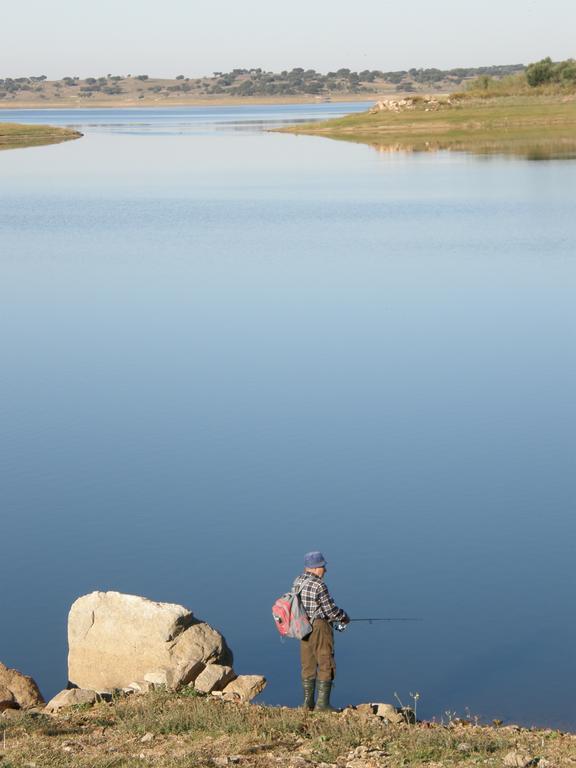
339,626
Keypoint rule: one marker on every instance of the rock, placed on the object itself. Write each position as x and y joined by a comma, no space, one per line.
141,687
71,698
365,709
244,688
7,700
517,760
115,639
147,737
183,673
71,746
156,678
214,677
365,757
389,713
11,713
25,692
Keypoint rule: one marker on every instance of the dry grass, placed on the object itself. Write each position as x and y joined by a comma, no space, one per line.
181,731
529,126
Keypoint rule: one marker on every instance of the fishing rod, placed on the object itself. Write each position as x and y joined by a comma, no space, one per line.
387,619
341,627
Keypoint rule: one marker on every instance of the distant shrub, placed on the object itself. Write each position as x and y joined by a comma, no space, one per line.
485,86
540,72
546,71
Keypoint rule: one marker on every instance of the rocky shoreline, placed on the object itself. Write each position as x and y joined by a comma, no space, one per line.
151,684
185,730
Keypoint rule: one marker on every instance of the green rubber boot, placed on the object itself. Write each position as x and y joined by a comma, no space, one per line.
309,686
323,703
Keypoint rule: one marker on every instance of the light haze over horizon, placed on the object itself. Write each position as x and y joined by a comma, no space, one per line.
183,37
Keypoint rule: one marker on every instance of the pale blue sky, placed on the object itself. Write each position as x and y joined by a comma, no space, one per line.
171,37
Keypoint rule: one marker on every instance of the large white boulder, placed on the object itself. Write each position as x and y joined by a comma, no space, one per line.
114,639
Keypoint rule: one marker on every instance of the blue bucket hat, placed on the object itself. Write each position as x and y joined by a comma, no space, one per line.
314,560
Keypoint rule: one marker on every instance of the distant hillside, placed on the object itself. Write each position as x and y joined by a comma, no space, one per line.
240,83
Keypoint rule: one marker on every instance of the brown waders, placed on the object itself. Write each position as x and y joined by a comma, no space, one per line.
317,657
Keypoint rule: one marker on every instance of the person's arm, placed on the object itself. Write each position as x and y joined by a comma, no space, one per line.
329,607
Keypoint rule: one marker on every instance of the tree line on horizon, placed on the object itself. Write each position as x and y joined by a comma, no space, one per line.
299,81
258,82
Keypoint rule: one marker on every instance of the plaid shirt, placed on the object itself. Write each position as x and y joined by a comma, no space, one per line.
316,599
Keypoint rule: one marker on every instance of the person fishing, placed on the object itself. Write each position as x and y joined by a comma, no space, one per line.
317,648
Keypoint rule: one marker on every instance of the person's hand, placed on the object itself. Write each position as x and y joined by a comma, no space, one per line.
346,619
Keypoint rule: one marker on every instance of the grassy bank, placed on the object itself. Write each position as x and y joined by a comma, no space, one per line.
533,125
182,731
13,135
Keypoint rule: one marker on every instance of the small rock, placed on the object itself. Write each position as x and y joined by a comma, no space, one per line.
142,687
23,689
147,737
464,747
184,673
389,713
366,709
107,695
157,677
7,700
71,698
8,713
71,746
214,677
517,760
244,688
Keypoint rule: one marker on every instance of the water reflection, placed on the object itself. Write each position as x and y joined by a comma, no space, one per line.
177,121
557,149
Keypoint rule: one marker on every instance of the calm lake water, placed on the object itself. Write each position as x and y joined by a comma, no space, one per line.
222,347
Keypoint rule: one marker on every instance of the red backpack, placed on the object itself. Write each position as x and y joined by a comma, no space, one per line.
289,615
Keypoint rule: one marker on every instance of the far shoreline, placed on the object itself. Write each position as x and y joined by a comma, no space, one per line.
204,102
